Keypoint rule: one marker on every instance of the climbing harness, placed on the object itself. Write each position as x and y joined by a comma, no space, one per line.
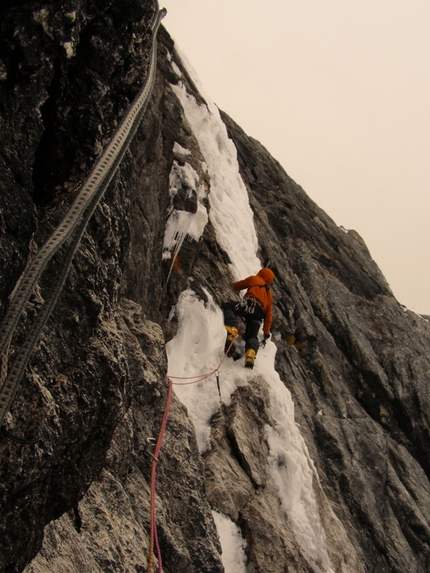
153,537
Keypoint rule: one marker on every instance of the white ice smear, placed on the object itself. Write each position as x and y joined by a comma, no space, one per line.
292,473
183,223
176,70
198,346
178,150
196,349
230,213
233,555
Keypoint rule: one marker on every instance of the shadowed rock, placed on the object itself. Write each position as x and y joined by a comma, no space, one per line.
355,361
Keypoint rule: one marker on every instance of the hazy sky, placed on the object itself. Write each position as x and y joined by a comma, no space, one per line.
339,92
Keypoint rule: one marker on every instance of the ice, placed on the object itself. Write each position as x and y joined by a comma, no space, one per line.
182,223
230,212
197,348
233,555
180,151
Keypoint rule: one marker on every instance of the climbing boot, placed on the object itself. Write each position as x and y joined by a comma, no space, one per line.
232,334
250,358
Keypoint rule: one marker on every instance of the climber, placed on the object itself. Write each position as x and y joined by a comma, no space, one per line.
255,307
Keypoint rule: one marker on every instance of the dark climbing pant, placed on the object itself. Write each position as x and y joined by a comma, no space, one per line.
252,314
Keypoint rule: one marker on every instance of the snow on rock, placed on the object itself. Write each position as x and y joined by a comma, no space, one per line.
178,150
230,213
181,223
292,473
197,348
233,554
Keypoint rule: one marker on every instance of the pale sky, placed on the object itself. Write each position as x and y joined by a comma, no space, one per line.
338,91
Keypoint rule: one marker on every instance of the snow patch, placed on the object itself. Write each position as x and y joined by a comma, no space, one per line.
183,223
197,348
292,474
184,176
70,49
230,212
180,151
233,545
176,69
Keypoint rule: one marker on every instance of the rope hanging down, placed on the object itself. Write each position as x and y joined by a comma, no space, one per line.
153,537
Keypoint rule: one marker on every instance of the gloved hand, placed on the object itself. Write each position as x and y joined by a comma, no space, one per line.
265,339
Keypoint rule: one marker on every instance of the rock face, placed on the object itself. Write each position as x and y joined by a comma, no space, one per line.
74,492
355,362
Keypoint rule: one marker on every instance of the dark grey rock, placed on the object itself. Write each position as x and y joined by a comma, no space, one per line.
355,361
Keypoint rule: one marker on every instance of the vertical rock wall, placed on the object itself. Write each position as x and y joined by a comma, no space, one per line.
355,361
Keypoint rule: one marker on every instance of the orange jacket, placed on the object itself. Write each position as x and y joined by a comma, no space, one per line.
256,286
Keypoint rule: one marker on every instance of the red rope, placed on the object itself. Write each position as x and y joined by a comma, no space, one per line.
200,377
153,536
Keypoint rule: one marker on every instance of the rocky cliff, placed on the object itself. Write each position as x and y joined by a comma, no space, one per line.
74,450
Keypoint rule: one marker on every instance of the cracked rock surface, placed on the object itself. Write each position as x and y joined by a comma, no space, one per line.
74,493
